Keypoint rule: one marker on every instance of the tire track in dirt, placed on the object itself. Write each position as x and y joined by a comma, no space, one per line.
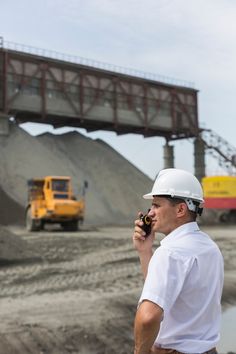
90,280
34,339
98,269
93,259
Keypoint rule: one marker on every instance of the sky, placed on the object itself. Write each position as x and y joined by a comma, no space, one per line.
187,40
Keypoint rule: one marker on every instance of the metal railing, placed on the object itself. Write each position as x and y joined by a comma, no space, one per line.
93,63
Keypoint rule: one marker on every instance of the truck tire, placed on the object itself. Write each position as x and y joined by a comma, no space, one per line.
75,225
70,225
32,224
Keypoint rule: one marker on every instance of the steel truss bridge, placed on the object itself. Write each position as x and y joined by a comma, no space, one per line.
51,88
62,92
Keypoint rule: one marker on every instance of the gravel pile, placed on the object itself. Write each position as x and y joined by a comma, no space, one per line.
11,211
14,249
115,185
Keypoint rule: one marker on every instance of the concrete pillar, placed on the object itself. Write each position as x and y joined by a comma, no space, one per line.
199,158
4,124
168,155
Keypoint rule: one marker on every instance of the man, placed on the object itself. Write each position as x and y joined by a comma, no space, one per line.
179,309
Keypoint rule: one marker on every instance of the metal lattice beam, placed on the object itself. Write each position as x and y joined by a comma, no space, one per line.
220,149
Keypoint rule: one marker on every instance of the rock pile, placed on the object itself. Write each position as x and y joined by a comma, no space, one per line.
14,249
114,195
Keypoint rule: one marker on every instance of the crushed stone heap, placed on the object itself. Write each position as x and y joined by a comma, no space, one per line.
11,211
14,249
115,186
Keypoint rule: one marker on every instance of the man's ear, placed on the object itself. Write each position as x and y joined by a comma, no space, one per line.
181,209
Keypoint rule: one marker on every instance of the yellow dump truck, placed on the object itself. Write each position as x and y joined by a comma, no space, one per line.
220,194
51,200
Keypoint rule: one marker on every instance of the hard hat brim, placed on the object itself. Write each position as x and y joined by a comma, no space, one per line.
151,196
148,196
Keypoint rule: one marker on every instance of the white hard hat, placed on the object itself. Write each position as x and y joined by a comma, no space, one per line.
177,183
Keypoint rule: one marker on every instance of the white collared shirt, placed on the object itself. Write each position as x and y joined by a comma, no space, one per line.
185,278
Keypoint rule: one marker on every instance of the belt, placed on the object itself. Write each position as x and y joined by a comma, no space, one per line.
156,350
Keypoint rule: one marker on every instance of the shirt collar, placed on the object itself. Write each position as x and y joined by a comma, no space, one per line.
180,231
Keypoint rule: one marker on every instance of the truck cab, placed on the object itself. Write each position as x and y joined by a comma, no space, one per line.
51,200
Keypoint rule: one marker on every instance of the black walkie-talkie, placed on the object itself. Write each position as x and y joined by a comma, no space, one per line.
147,224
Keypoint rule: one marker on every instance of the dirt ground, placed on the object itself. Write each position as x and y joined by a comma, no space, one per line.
77,292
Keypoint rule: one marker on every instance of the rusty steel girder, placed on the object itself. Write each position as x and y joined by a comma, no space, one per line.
40,89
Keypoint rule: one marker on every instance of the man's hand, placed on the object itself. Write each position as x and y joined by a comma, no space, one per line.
143,245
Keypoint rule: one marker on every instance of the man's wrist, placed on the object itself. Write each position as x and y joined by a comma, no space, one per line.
145,253
136,351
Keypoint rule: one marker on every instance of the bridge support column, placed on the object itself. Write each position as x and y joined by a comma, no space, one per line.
4,124
199,158
168,155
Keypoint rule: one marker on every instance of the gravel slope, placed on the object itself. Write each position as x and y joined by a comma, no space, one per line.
115,185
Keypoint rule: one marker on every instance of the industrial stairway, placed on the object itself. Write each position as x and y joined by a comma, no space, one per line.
220,149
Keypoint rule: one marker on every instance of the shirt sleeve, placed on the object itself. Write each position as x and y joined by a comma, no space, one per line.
165,278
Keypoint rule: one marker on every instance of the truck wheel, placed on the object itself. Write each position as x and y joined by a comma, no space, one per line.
32,224
70,225
75,225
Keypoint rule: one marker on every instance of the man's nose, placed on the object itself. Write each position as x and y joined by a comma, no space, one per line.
151,212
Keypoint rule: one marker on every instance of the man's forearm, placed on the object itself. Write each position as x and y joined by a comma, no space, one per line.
146,328
144,338
144,261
